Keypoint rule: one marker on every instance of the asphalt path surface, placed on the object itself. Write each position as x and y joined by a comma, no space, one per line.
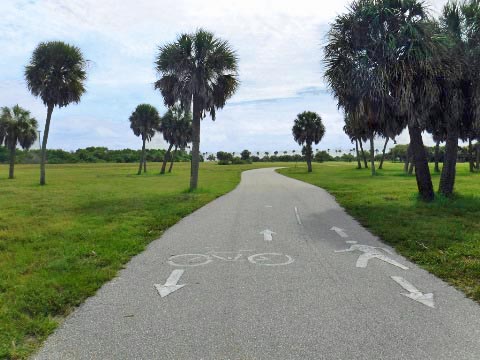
292,297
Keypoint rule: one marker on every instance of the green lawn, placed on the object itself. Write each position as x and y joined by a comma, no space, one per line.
61,242
442,237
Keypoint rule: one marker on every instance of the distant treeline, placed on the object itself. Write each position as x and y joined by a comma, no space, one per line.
104,155
90,155
397,153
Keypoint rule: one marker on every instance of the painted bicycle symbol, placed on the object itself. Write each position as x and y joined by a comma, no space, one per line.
263,259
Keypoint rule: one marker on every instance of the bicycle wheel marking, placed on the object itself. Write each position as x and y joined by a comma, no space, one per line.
270,259
189,260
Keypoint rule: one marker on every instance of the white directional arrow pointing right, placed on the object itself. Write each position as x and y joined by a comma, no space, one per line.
414,293
171,283
339,231
267,235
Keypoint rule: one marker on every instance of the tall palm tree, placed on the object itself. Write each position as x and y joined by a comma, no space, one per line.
457,110
16,128
144,121
308,129
197,69
56,73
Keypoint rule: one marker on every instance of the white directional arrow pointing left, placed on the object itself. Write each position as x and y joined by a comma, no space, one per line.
267,235
339,231
414,293
171,283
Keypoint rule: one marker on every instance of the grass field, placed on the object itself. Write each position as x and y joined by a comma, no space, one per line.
61,242
442,237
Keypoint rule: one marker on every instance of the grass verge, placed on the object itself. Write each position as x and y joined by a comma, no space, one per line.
443,237
59,243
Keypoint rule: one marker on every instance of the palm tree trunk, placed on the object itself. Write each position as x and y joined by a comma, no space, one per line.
43,156
407,159
12,162
372,155
195,145
478,155
145,164
363,155
470,156
308,156
383,154
447,179
411,167
359,163
437,156
173,158
142,156
166,157
422,171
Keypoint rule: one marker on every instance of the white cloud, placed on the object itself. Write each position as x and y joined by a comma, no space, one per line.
278,43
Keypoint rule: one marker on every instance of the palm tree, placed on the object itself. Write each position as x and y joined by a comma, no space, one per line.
382,63
56,74
307,129
144,122
356,132
457,113
175,130
182,136
197,69
17,127
285,152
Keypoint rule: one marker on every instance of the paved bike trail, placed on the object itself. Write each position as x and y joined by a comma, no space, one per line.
293,297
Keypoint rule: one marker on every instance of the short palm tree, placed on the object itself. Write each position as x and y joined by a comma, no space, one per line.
308,129
17,127
201,70
181,135
56,74
144,122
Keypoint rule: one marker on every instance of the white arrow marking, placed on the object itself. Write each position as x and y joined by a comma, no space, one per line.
414,293
298,216
339,232
267,235
371,252
171,283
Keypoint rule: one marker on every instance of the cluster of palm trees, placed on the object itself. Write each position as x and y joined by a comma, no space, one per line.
17,127
175,126
197,75
392,66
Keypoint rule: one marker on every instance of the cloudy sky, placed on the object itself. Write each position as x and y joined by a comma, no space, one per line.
279,44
